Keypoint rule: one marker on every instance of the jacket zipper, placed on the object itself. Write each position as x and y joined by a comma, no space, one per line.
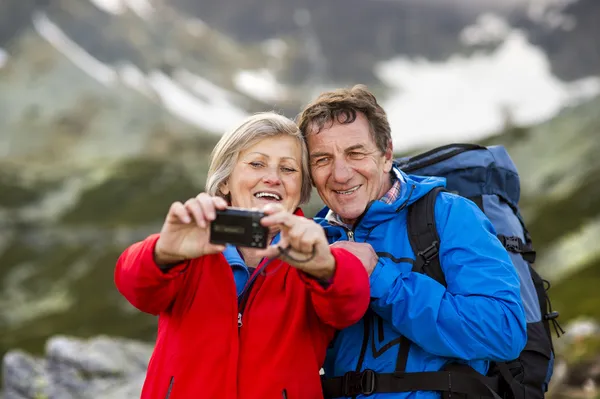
284,394
350,235
243,298
170,387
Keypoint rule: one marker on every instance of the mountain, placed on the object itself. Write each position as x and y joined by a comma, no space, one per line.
110,110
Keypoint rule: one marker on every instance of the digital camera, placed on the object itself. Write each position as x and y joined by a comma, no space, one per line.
239,227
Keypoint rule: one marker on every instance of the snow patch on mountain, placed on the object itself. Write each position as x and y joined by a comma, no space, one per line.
469,97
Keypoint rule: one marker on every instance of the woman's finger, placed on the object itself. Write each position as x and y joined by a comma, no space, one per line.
178,213
300,238
215,248
193,207
271,209
279,218
208,206
220,203
272,251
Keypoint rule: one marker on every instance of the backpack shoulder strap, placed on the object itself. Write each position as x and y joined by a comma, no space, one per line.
423,236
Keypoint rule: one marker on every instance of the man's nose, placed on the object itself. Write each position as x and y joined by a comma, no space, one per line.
342,172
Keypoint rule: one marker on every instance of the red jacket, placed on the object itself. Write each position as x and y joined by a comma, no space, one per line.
200,352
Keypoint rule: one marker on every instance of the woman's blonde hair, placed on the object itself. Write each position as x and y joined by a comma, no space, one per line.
255,128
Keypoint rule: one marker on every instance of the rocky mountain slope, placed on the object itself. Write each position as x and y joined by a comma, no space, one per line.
107,115
58,260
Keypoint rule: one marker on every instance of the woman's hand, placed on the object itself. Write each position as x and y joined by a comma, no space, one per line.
302,244
185,232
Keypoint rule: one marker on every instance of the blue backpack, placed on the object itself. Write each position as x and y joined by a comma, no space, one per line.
488,177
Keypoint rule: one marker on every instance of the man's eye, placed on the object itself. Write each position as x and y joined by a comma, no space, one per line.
356,155
320,161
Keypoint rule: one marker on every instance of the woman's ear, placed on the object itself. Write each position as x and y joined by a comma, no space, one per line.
224,188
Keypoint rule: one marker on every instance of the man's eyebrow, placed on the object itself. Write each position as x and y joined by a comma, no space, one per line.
354,147
318,154
349,149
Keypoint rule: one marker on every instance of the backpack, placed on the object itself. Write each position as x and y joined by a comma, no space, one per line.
488,177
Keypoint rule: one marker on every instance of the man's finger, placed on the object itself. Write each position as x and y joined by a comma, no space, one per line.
340,244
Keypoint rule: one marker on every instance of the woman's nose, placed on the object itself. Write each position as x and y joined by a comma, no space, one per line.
272,176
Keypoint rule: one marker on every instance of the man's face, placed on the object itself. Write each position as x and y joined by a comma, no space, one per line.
347,168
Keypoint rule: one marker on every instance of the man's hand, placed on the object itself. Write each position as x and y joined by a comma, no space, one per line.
362,251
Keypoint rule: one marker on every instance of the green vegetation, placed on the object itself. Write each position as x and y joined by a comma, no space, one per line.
578,294
139,191
557,218
15,192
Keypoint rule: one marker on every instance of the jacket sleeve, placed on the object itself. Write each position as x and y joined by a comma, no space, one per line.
480,314
139,279
343,300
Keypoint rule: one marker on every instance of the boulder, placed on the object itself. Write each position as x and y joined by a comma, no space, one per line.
73,368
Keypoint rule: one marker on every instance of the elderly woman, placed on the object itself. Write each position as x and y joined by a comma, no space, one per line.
241,322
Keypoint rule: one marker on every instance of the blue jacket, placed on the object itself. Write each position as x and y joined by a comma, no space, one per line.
477,318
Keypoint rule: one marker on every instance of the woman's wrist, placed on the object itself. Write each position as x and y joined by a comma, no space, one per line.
325,272
166,260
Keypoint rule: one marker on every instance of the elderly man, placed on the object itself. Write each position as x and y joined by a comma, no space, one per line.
415,325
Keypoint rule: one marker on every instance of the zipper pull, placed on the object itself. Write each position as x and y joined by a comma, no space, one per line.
350,235
239,320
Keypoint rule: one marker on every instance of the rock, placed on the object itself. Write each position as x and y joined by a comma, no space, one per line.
73,368
577,367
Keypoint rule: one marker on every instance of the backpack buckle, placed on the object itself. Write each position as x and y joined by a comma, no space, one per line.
551,316
359,382
429,253
512,244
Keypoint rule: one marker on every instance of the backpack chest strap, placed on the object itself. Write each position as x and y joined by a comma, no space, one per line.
465,383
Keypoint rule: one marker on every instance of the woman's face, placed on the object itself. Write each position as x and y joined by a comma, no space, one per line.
269,171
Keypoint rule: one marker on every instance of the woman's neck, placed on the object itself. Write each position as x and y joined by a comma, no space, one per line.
249,254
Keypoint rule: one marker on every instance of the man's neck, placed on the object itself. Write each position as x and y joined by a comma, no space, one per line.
387,185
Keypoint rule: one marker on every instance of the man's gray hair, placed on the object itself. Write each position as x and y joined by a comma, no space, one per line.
253,129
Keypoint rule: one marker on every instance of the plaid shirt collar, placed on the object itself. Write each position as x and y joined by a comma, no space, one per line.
390,196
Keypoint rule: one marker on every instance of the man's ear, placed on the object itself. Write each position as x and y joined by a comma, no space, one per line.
388,157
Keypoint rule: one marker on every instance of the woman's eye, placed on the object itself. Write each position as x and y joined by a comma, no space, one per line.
288,170
256,164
